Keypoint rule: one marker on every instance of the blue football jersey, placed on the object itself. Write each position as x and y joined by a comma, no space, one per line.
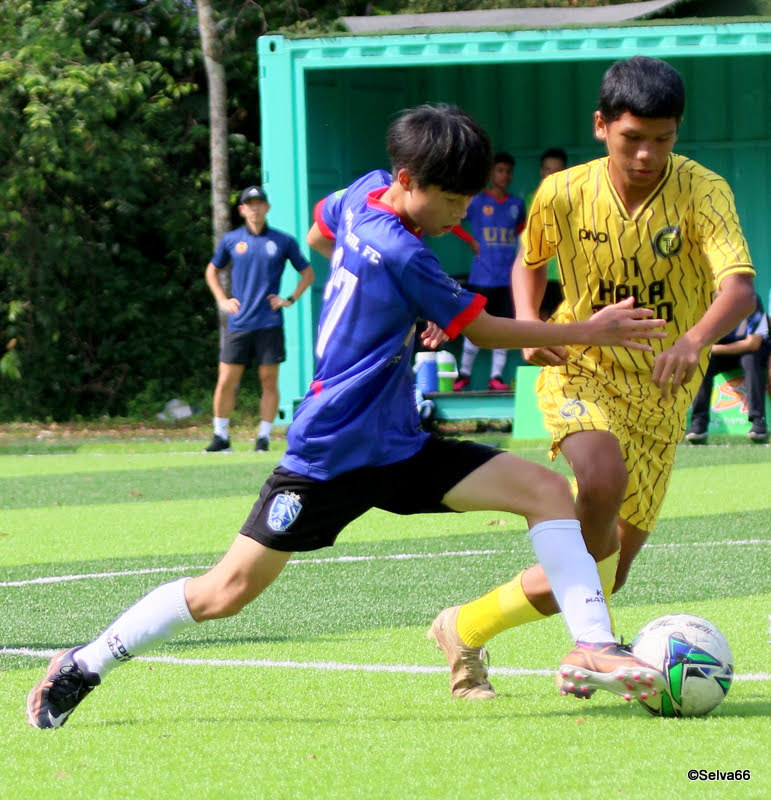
360,409
496,225
258,263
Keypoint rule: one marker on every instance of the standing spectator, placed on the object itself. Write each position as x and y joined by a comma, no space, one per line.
496,218
555,159
255,329
745,347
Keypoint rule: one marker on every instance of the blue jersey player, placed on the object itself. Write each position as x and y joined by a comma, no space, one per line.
496,218
356,442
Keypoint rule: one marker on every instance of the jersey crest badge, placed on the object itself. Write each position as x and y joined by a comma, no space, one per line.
487,211
283,511
573,408
241,248
668,242
271,249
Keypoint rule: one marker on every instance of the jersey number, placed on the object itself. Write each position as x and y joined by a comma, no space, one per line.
346,282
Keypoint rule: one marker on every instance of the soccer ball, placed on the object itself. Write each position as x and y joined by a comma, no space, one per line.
696,660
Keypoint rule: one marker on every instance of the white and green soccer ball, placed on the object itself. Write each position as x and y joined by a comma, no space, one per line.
696,661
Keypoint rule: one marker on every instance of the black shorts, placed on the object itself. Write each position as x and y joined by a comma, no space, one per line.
265,346
499,302
295,513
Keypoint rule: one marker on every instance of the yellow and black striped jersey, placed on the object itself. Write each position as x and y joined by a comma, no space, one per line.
671,254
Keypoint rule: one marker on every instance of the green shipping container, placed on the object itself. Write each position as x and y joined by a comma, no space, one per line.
326,103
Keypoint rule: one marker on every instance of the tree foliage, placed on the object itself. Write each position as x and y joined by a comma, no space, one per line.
104,204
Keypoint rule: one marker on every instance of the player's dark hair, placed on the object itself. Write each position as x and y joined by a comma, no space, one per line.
555,152
502,157
645,87
442,146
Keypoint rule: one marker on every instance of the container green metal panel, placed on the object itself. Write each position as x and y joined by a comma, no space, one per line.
326,103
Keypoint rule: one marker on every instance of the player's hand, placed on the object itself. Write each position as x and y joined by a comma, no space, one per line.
474,245
675,366
621,324
545,356
433,336
230,306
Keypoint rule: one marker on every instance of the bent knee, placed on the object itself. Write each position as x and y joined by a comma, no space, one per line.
553,495
601,484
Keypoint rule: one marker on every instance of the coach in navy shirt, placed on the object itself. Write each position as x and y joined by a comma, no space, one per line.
255,330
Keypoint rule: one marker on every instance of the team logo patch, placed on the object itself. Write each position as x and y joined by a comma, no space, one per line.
271,249
487,211
668,242
283,511
241,248
573,408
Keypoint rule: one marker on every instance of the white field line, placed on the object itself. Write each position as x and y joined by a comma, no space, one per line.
321,666
342,560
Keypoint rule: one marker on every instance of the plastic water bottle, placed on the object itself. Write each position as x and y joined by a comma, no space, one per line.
426,378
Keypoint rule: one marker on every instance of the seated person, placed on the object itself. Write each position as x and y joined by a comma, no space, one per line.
746,346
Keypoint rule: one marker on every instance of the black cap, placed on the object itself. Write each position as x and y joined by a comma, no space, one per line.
253,193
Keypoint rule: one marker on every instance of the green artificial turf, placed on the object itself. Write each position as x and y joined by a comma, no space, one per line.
326,687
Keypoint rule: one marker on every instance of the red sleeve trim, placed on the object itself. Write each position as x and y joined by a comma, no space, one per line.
469,314
326,231
462,233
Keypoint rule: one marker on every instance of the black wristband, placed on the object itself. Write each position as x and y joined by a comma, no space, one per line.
290,300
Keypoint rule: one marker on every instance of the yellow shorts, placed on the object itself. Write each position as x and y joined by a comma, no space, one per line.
573,403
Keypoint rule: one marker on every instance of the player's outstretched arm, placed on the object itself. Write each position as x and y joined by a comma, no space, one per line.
616,325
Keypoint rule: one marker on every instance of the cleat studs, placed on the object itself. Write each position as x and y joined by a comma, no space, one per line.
627,697
643,695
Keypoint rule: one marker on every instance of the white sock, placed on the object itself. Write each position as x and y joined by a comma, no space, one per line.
498,363
470,351
265,429
572,573
221,427
151,621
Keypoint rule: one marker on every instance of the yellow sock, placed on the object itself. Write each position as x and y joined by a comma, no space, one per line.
606,569
504,607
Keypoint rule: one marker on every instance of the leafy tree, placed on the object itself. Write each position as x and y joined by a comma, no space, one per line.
103,160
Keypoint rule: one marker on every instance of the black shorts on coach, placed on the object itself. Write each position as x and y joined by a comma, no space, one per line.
262,347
